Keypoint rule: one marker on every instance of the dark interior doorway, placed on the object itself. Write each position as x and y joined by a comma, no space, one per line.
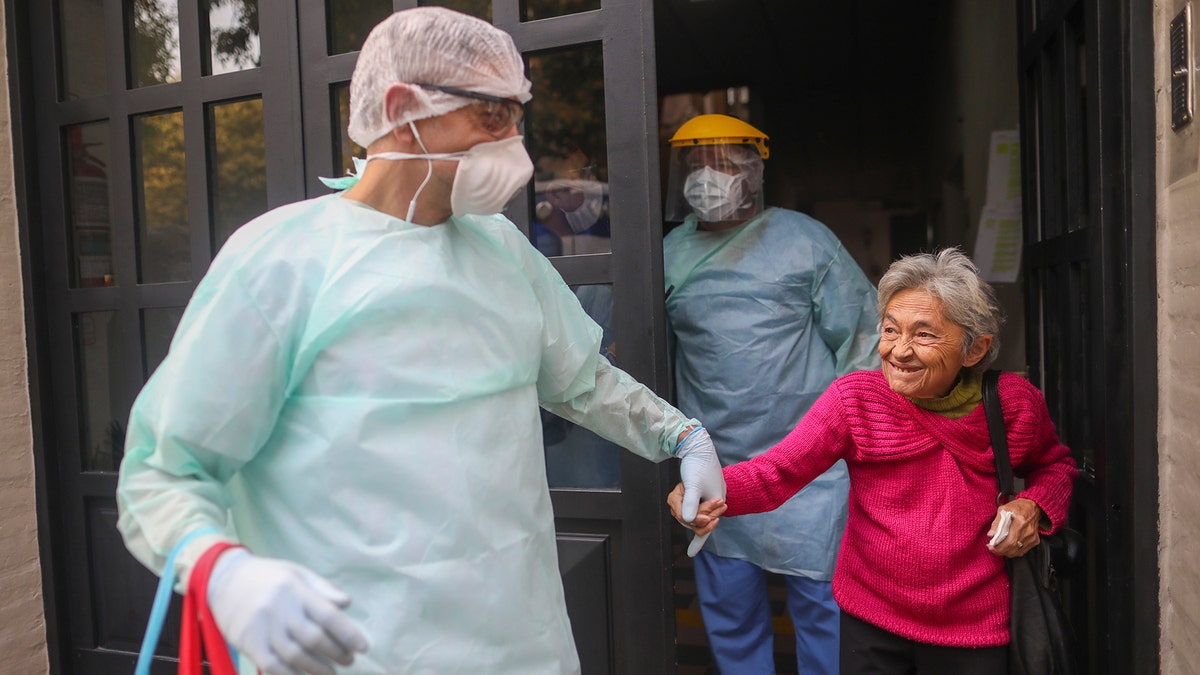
880,117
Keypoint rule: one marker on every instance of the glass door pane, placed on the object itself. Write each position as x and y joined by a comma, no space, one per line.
566,133
232,36
236,166
90,215
164,246
83,59
154,37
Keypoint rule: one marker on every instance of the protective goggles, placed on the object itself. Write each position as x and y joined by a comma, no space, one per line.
497,114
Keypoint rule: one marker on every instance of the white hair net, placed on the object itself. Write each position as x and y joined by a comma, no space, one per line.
430,45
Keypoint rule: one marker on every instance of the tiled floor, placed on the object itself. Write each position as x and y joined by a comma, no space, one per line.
693,657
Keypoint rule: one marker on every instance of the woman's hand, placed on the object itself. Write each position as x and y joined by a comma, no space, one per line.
1022,532
707,516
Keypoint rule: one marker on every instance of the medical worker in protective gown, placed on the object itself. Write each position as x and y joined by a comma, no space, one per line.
766,308
353,393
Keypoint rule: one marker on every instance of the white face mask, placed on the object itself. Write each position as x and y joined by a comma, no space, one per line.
589,210
488,175
715,196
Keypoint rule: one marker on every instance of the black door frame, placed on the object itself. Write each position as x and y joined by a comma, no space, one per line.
1090,256
643,628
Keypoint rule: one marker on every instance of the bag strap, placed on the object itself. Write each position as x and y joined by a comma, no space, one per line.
199,631
995,422
162,602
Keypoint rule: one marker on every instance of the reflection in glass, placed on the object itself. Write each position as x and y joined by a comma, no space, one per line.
232,36
154,56
90,217
236,165
565,132
477,8
84,57
102,427
346,148
160,179
349,22
544,9
576,457
158,327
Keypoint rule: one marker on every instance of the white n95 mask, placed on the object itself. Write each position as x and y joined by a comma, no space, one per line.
489,174
715,196
589,210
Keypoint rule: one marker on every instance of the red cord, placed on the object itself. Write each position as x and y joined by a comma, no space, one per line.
199,631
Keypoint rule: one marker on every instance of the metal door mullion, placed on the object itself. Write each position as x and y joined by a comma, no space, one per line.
228,86
78,111
64,377
196,162
506,14
315,74
589,503
279,74
594,268
561,31
639,317
52,174
1048,27
98,484
1072,140
330,69
174,294
190,43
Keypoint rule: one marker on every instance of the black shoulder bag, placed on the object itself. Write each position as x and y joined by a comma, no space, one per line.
1041,639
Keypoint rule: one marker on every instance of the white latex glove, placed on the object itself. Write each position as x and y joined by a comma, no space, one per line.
700,470
284,617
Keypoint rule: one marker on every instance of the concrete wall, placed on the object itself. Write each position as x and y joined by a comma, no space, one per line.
1178,359
22,620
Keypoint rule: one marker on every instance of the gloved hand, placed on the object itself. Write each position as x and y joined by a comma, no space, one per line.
284,617
700,470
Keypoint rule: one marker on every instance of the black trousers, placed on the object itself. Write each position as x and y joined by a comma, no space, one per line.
869,650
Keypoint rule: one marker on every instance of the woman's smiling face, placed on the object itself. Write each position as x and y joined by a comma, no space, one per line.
920,348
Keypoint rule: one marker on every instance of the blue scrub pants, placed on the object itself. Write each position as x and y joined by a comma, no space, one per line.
737,617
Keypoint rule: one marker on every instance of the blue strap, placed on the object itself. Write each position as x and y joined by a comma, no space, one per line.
680,443
162,601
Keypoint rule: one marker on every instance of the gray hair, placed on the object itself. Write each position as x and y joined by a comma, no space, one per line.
967,300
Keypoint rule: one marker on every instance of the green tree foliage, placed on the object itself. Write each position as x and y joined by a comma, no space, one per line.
155,42
236,44
237,165
159,140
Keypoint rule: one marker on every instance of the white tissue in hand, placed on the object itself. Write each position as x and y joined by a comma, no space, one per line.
1001,528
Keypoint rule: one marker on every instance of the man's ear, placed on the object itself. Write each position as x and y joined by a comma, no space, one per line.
397,100
978,350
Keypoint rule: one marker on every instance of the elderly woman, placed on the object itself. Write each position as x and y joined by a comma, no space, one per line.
920,587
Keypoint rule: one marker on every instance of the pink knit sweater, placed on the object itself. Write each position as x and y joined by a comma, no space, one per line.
914,558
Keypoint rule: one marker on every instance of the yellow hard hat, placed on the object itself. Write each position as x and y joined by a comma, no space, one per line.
719,130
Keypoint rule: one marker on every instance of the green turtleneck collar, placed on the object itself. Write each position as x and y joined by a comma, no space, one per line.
961,400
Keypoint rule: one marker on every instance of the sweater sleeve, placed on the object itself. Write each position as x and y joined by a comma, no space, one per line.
767,481
1046,464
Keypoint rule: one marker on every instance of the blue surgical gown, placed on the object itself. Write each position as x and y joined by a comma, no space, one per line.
763,317
360,395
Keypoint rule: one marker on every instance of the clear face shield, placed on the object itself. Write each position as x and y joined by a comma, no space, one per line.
717,183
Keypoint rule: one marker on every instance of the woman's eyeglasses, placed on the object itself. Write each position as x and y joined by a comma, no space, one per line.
498,114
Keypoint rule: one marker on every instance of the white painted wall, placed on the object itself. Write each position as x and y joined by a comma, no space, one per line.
1178,361
22,620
